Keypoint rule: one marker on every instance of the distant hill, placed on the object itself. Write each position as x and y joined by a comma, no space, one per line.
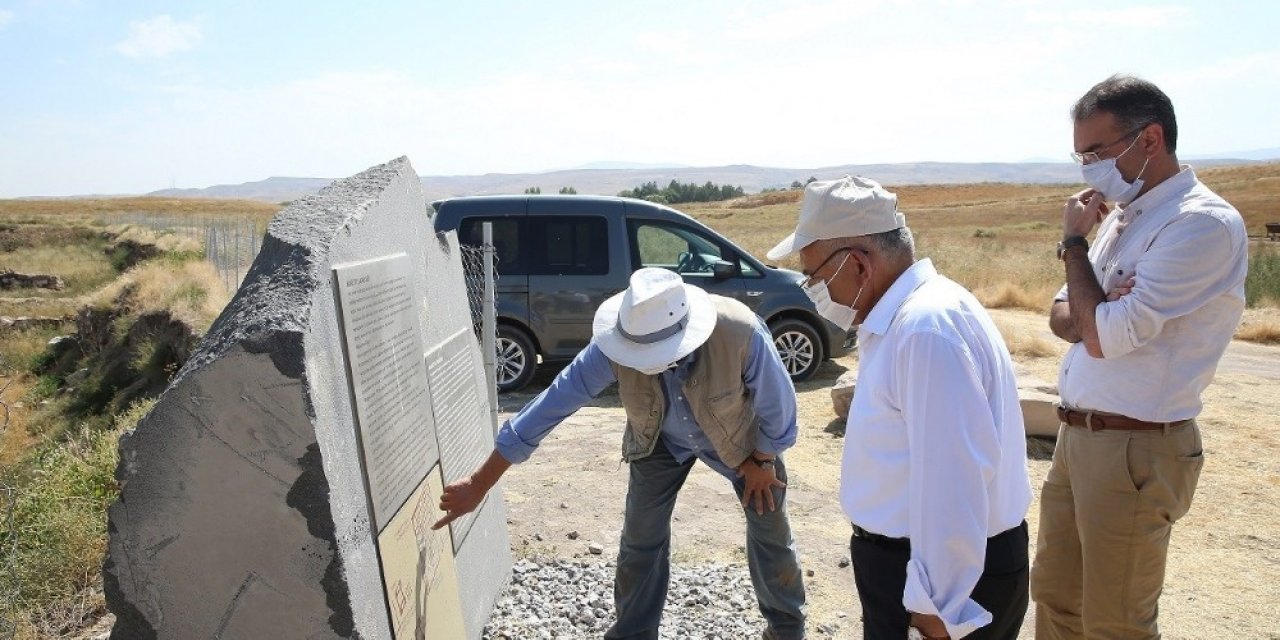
1254,154
609,181
277,189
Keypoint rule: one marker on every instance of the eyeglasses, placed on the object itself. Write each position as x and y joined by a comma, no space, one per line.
1090,157
809,275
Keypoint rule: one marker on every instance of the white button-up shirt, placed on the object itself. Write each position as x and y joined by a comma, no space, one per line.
935,449
1189,253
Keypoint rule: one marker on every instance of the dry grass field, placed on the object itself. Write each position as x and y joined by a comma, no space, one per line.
98,210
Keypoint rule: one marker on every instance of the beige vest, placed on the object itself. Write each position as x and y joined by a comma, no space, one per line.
720,402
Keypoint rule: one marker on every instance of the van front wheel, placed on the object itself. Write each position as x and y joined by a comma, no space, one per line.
799,347
516,359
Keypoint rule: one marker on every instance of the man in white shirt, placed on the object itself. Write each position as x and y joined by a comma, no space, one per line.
1150,309
934,477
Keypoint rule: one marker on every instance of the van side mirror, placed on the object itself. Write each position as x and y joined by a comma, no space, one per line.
723,270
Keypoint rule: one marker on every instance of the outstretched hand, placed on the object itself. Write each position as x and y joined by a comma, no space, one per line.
459,499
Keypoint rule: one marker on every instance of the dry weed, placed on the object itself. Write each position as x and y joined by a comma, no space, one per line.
1023,343
1008,295
191,290
1264,330
163,240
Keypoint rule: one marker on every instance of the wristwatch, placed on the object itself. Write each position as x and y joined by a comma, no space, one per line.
765,463
1073,241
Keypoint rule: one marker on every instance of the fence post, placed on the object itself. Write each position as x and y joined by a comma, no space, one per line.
489,325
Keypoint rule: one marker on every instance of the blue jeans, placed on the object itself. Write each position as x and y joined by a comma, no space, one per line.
644,554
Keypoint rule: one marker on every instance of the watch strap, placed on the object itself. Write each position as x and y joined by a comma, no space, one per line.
1074,241
1069,242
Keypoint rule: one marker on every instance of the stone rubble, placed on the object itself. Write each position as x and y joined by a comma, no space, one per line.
574,599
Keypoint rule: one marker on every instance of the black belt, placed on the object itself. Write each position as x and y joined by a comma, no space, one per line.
886,541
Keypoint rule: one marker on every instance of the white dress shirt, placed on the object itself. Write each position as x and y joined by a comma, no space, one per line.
935,449
1162,342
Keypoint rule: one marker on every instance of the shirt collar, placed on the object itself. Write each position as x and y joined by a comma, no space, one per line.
881,315
1177,184
684,366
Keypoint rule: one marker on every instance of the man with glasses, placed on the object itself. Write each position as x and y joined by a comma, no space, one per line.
1149,308
934,476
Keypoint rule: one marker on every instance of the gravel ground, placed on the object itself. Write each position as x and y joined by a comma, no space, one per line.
551,598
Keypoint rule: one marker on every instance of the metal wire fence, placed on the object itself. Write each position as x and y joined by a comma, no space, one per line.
473,273
230,244
480,271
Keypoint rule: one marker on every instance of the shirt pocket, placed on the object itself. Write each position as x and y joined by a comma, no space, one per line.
729,409
1120,272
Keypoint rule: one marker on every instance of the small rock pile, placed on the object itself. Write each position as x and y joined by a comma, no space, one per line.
574,599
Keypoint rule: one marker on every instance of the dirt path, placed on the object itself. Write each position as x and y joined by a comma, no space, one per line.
1224,568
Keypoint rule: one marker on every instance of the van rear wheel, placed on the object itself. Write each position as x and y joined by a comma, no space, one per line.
799,347
516,360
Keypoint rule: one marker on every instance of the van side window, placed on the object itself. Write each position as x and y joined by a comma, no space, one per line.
675,247
567,245
506,241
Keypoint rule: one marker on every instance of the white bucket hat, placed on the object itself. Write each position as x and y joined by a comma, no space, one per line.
658,320
844,208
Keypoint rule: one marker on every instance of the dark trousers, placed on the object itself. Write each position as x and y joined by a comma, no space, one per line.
880,573
644,562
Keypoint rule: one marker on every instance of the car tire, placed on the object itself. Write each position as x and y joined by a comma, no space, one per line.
799,346
515,359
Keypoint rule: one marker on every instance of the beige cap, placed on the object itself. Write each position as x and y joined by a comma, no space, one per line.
850,206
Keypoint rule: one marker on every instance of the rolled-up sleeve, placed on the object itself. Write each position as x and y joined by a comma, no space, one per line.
1189,262
772,394
955,451
575,386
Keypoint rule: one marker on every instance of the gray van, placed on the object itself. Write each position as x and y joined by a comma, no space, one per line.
560,256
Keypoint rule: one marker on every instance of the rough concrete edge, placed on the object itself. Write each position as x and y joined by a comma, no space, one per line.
245,321
337,207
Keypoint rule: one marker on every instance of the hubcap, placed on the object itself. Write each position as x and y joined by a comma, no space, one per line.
510,361
796,350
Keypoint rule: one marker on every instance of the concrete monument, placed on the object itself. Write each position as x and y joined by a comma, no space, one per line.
285,483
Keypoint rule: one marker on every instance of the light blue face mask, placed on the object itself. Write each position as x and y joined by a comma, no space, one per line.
1105,178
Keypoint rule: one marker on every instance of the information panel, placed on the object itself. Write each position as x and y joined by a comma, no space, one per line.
418,568
383,344
461,409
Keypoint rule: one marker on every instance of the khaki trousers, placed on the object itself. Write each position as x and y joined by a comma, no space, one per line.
1106,511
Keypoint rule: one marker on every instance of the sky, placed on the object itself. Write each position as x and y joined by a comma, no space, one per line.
111,97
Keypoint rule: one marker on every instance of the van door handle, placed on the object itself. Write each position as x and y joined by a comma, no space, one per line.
754,294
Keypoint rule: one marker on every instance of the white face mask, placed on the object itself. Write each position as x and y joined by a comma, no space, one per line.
1105,178
840,315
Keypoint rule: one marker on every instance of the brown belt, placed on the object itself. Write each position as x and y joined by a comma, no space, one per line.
1097,421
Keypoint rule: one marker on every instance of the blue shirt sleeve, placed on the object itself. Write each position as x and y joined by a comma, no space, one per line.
584,379
772,393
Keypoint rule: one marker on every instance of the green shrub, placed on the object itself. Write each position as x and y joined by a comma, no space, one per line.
56,544
1262,286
